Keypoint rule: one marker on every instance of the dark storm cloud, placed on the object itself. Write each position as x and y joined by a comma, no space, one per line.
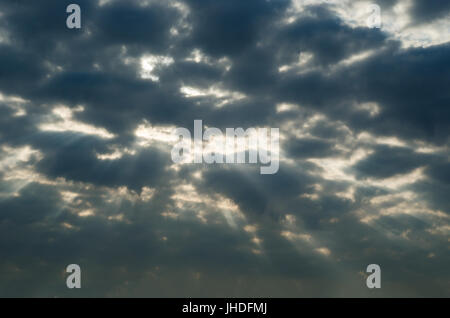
39,26
440,172
89,241
39,204
14,130
75,158
303,226
310,148
19,69
411,87
435,189
427,10
254,71
229,27
130,24
256,193
326,36
387,162
192,74
328,130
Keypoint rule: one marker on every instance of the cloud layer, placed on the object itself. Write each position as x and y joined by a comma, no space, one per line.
85,136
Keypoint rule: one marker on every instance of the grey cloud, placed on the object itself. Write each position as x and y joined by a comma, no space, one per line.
387,162
140,227
425,11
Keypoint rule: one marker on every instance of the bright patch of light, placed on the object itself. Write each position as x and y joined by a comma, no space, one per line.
223,96
62,121
371,107
16,103
285,107
187,198
149,63
304,58
148,134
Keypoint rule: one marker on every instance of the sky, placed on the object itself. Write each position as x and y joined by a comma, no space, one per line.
86,132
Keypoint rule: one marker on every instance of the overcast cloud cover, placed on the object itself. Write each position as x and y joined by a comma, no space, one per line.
86,175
